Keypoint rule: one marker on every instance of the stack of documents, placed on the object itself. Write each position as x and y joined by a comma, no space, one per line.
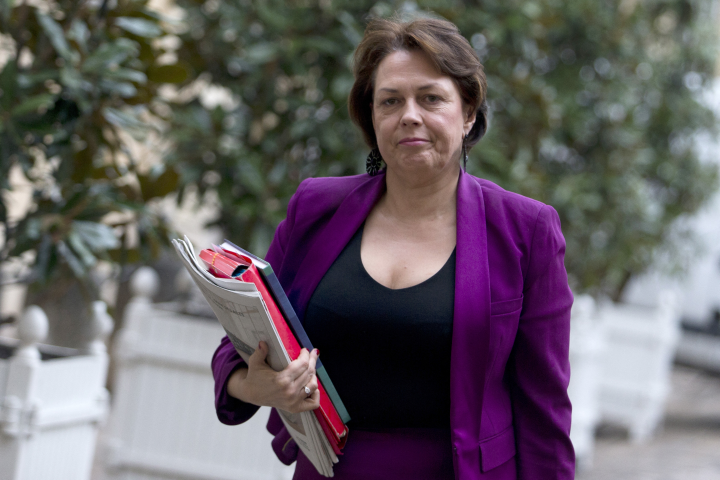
251,306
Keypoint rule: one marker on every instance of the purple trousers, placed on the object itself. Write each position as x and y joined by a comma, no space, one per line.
393,454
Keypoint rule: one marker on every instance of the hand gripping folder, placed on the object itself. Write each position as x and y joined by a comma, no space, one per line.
230,261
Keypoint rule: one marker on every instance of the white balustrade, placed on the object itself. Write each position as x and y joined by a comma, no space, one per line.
163,424
52,401
636,363
586,348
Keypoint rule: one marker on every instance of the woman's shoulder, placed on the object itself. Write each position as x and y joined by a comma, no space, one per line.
331,185
327,193
520,221
506,203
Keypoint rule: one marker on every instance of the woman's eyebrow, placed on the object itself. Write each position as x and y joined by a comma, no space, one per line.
424,87
430,85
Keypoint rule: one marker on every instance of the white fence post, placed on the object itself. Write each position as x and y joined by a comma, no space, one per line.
19,405
51,406
637,362
586,345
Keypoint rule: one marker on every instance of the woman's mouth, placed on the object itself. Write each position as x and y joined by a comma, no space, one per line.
412,141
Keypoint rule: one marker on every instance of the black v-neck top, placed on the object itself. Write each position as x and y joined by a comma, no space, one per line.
387,351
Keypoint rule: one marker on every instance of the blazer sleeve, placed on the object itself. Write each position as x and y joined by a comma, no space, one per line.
226,360
539,367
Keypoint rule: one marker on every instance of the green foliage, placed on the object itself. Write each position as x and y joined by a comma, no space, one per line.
594,110
81,76
287,67
597,119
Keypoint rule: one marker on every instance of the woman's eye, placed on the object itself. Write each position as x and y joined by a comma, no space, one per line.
389,101
432,98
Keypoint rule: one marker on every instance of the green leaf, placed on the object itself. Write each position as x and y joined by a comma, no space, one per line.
32,104
128,74
43,259
8,84
110,54
139,26
351,30
176,73
80,33
29,80
251,177
73,262
73,79
123,89
97,236
122,119
55,33
77,244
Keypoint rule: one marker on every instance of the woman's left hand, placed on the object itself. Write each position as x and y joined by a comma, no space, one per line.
293,389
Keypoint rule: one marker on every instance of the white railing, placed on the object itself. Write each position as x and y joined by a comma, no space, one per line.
636,363
621,360
52,401
163,423
587,343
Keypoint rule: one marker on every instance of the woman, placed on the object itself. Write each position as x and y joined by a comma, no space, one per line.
439,300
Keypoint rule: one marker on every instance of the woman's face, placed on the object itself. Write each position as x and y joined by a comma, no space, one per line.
418,115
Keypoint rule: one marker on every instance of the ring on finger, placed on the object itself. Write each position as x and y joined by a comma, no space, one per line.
308,392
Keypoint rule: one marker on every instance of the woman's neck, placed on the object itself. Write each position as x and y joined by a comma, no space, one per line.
416,200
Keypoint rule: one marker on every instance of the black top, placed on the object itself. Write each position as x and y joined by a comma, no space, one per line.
387,351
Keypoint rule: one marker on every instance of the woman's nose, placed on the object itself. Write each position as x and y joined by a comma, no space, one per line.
411,113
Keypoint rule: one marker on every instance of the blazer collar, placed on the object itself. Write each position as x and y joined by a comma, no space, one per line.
471,322
328,245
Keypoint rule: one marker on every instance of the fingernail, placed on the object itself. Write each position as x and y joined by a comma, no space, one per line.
317,352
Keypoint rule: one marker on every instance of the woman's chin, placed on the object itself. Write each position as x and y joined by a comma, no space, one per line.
419,165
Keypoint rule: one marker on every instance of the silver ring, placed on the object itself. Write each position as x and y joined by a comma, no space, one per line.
307,390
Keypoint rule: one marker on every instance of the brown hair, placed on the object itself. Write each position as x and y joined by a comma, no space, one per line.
442,42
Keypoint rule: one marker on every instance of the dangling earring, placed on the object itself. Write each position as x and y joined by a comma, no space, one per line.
464,153
373,162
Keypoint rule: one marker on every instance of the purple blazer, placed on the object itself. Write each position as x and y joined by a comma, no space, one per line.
511,331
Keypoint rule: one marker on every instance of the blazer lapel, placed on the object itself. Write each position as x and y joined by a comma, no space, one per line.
471,325
329,243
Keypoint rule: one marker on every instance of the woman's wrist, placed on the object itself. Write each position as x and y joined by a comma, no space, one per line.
236,384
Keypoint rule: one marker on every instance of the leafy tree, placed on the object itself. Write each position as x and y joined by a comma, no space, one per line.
594,107
80,77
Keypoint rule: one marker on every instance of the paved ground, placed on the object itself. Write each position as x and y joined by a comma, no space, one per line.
687,448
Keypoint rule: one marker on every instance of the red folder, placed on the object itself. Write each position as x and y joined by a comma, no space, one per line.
335,430
222,265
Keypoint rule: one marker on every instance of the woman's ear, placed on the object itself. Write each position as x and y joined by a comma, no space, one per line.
470,121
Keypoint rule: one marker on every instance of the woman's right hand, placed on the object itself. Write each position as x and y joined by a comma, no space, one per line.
261,385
